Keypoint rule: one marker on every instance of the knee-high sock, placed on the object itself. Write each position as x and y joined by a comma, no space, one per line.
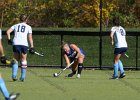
80,67
23,70
120,67
14,69
23,73
115,70
4,89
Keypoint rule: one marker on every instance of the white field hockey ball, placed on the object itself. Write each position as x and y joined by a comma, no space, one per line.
55,74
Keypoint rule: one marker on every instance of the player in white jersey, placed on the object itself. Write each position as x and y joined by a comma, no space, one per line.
22,34
118,37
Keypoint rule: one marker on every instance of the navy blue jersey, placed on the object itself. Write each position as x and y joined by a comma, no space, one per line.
72,53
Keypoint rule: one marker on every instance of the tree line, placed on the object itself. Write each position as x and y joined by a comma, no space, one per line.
70,13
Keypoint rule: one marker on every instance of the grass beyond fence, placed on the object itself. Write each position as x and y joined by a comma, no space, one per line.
93,85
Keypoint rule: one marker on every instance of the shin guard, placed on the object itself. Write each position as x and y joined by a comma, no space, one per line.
23,70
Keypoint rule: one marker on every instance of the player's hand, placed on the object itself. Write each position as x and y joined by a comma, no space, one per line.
10,42
31,51
76,59
112,42
67,65
4,60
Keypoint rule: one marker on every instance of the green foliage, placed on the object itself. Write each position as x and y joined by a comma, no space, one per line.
127,11
70,13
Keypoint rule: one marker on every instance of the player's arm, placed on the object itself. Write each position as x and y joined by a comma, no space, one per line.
30,38
67,60
112,37
73,46
9,31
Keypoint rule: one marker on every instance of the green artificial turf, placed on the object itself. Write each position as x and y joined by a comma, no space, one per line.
93,85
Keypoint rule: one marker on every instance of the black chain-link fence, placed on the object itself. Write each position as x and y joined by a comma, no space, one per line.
49,42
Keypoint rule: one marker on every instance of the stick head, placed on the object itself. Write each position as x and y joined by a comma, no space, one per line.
55,74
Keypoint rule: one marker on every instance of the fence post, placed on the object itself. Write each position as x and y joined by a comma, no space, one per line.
100,43
136,51
61,51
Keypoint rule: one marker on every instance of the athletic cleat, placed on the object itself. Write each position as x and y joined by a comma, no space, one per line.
22,79
122,75
14,78
78,75
70,75
115,77
14,96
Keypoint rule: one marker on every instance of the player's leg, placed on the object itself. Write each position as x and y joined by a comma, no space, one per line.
3,59
15,66
80,66
73,68
3,88
5,92
117,56
116,66
16,51
23,66
80,62
122,74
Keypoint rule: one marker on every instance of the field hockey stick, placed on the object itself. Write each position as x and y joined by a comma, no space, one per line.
37,53
126,55
59,73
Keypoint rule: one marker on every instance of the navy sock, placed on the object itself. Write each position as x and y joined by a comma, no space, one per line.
80,67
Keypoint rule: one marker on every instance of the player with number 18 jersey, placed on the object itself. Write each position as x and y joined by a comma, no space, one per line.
22,35
21,31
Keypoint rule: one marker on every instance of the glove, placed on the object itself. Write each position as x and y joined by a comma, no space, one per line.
75,59
10,42
31,51
4,60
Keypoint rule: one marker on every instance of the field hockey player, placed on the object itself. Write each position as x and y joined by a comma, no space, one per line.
118,38
73,53
22,34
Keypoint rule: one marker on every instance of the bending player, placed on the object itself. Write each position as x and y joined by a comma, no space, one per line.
117,36
74,53
5,91
22,34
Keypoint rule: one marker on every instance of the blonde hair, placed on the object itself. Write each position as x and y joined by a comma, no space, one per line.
64,44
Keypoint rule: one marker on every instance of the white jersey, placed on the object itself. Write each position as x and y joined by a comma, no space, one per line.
0,34
21,32
119,36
